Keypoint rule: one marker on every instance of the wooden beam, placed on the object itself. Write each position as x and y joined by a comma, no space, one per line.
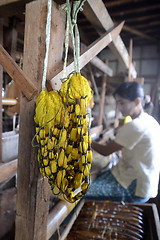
119,2
16,73
130,59
142,18
98,63
8,170
139,33
91,51
137,10
98,16
33,191
6,2
101,107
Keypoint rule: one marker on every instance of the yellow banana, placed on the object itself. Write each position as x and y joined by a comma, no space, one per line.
69,147
89,166
73,134
59,178
78,180
65,162
77,109
42,133
89,156
83,105
51,155
85,187
74,153
48,171
71,196
64,184
61,157
50,144
86,170
89,140
63,137
53,165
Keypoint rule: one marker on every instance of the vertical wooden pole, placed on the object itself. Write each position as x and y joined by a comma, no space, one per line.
130,59
33,191
1,81
14,35
101,112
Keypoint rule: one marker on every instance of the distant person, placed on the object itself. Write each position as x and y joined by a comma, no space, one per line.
148,105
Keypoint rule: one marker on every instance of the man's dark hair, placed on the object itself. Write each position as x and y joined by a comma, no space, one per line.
130,91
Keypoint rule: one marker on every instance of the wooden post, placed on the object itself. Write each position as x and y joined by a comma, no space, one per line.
130,60
33,190
101,112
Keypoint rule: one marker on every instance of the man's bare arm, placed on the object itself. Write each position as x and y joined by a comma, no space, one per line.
107,149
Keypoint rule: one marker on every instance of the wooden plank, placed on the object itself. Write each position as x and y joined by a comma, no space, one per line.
97,14
16,73
33,190
8,170
91,51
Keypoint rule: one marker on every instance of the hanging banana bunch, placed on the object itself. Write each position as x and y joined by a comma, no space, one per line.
62,129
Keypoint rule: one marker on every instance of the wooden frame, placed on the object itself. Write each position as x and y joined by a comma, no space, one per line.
32,220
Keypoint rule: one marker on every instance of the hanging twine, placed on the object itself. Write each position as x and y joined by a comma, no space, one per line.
48,27
72,29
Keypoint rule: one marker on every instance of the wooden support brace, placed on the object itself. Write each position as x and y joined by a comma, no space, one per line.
16,73
91,51
8,170
97,62
97,14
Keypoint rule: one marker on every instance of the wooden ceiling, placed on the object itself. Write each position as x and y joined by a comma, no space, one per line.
142,20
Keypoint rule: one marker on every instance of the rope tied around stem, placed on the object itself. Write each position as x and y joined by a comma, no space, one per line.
72,29
62,131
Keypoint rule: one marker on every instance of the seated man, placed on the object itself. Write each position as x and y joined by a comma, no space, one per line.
136,175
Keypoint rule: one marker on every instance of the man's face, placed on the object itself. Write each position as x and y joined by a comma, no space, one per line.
125,106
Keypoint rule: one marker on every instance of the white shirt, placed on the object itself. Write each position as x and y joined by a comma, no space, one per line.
140,160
